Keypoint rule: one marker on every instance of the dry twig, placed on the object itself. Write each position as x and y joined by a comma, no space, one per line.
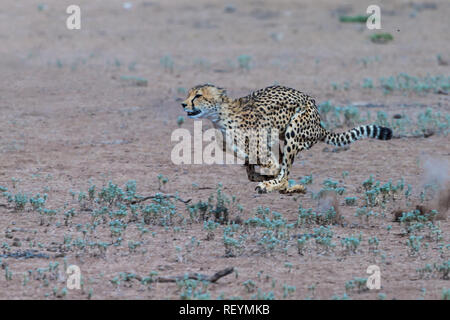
194,276
160,195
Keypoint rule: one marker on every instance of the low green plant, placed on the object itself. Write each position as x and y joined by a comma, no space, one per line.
381,37
351,243
360,284
244,62
167,63
354,19
445,294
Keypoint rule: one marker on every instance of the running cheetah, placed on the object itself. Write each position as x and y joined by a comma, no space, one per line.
292,114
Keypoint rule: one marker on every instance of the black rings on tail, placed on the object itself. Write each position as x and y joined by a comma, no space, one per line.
345,138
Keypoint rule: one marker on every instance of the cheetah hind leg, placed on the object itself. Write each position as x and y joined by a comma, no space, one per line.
281,183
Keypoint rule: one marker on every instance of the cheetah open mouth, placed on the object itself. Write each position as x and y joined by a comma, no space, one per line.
193,112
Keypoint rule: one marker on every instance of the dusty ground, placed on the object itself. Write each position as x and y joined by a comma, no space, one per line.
68,118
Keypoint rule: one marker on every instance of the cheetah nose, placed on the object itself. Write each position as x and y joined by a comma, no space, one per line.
184,105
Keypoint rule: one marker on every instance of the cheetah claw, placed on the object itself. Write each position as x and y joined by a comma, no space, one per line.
260,189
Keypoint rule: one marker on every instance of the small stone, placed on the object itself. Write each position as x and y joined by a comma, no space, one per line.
16,243
229,8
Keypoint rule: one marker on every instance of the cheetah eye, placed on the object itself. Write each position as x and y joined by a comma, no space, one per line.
196,96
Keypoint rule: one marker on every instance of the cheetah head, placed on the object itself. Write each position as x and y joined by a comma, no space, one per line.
204,101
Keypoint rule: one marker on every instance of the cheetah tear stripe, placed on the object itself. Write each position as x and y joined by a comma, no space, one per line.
345,138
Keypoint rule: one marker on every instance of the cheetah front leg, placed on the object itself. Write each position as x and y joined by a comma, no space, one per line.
269,169
255,176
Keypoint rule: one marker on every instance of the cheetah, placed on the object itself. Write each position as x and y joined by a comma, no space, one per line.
290,114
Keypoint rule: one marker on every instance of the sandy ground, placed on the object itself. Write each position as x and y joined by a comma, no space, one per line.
67,117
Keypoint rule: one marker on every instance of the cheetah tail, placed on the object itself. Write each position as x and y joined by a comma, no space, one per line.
345,138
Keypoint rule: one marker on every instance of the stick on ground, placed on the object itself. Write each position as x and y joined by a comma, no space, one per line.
194,276
161,195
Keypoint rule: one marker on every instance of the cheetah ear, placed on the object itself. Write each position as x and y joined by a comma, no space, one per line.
222,92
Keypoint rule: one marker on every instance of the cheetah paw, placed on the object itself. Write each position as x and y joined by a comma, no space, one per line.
260,189
263,187
269,186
